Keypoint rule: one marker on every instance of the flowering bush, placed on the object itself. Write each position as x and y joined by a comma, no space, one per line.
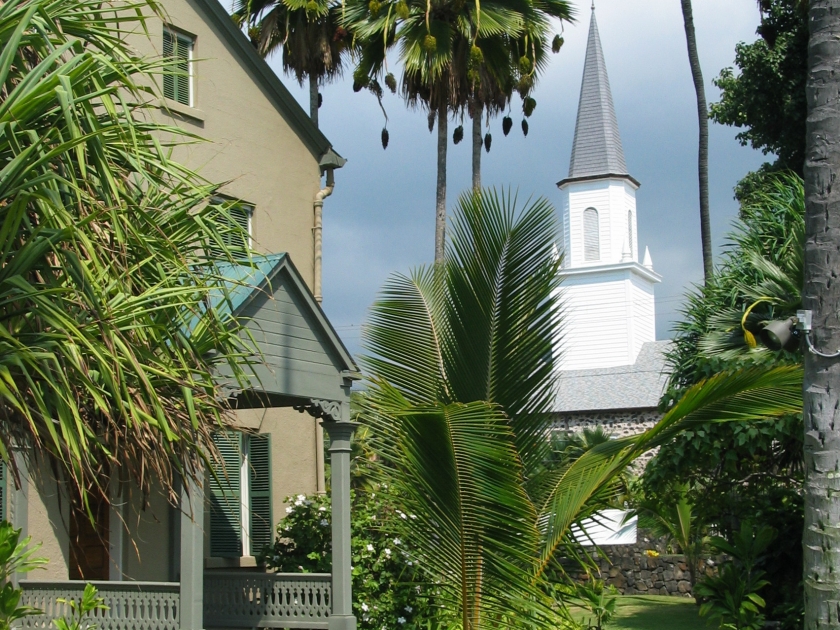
388,588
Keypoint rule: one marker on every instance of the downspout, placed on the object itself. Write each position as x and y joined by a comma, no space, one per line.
318,205
319,208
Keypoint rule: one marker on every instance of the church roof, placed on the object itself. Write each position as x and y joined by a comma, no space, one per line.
597,147
637,386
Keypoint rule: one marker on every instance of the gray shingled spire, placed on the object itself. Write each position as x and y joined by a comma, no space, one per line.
597,148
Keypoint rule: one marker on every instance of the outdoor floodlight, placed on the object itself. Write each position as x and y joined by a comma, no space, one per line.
781,333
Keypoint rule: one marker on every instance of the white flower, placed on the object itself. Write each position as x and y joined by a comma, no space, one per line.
408,609
413,516
410,563
402,515
365,607
298,502
324,522
370,547
400,619
396,541
322,509
301,497
290,509
388,552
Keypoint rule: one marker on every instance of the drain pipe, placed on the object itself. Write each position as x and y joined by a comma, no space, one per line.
318,205
319,210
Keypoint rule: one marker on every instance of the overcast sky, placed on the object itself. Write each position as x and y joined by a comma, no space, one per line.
381,217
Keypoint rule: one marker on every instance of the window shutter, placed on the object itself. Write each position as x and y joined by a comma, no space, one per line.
168,53
591,238
3,497
183,56
226,497
176,77
235,228
261,527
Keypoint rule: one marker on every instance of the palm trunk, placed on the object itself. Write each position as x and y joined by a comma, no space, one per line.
313,98
476,147
821,294
440,200
703,150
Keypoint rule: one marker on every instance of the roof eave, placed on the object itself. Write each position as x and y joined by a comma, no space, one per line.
307,131
592,178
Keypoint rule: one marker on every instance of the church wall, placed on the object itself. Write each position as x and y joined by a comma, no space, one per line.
643,313
595,321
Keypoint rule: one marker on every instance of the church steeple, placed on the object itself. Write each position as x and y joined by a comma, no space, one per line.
597,148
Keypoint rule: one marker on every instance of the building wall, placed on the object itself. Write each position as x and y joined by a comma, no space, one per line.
607,316
250,144
147,555
48,523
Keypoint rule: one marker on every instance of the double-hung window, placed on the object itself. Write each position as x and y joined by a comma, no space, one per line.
240,495
177,76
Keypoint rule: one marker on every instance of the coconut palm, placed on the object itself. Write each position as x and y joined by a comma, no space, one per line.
108,345
445,47
703,146
821,294
308,33
461,380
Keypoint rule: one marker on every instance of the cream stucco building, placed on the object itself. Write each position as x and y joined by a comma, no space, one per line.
172,565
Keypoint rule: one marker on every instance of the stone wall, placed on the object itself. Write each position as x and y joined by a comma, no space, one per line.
645,568
617,422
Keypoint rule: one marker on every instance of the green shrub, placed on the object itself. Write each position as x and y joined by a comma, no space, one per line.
388,587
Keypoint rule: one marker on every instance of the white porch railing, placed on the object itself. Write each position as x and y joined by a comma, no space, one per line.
266,600
131,605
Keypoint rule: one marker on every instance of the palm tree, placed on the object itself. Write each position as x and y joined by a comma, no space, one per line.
108,346
821,294
441,46
461,385
703,149
307,31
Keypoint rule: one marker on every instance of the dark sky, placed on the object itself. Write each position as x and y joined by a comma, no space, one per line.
381,217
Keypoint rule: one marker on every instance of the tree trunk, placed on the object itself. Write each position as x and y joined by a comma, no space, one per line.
821,294
313,98
476,147
703,150
440,200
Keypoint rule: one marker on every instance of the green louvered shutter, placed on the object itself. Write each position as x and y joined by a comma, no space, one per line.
176,78
226,497
234,227
3,497
261,528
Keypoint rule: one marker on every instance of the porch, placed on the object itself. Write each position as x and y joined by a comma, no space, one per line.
232,599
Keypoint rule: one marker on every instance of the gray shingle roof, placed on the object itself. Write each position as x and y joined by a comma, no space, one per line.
636,386
597,148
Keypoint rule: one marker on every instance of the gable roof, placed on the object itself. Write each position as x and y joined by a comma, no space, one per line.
597,149
265,77
637,386
246,283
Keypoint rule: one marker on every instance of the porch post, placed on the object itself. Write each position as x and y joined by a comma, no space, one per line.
19,504
192,555
341,616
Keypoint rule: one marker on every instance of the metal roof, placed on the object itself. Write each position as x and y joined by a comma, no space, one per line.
597,147
637,386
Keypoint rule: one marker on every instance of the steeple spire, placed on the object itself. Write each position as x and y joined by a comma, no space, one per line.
597,149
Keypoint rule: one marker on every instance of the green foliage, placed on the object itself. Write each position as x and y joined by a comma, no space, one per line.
388,586
751,470
89,602
108,348
16,556
732,596
598,599
767,97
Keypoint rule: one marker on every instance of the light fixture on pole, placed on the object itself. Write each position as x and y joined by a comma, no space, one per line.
785,333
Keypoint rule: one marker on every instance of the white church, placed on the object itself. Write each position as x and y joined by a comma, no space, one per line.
610,368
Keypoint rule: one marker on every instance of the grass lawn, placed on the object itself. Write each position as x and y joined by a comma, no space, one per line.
654,612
